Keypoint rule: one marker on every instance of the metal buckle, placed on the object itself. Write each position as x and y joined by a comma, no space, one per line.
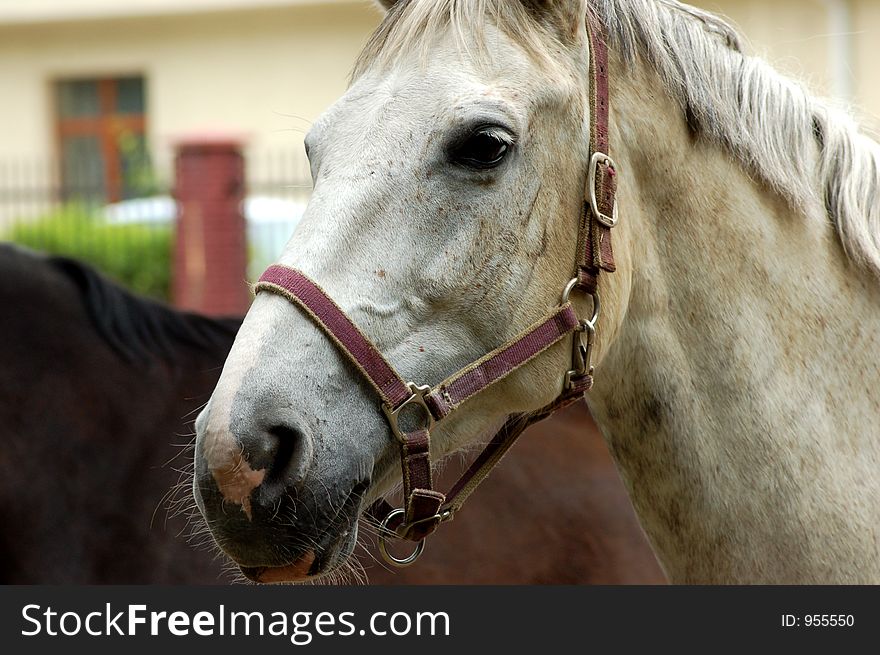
417,398
600,158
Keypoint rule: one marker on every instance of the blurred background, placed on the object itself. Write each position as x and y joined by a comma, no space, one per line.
99,97
160,141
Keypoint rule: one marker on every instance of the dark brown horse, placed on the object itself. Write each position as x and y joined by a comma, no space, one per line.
98,389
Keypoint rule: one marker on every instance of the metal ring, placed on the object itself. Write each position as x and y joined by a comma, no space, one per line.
566,295
597,309
597,305
384,531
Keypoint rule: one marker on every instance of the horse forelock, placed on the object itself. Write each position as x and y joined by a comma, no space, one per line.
411,25
768,122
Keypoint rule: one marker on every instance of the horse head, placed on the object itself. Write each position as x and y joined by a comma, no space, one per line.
448,186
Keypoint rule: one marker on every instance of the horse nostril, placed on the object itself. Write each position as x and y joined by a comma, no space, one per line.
281,450
289,451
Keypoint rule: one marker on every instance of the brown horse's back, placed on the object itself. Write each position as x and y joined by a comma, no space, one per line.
96,393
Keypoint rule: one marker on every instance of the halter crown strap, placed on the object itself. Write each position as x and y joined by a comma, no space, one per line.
599,213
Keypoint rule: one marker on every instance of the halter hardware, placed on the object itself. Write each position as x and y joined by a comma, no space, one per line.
386,533
601,159
582,355
583,339
417,399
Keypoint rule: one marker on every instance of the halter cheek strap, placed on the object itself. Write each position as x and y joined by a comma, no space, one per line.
402,403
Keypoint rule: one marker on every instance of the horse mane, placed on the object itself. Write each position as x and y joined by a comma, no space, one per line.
770,123
137,328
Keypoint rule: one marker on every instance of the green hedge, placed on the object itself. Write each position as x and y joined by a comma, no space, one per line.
137,256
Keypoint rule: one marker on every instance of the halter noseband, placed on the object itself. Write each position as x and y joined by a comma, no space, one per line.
425,508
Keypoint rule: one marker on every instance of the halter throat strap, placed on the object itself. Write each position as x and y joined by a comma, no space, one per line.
425,508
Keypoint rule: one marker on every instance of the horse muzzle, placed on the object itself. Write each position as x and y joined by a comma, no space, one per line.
268,510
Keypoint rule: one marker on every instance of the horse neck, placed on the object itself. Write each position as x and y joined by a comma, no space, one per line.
739,396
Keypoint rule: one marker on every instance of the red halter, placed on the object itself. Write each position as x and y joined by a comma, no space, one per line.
425,508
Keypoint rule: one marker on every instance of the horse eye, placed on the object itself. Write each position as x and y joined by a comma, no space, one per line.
484,149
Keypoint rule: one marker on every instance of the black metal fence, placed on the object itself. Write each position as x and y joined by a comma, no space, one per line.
131,239
279,188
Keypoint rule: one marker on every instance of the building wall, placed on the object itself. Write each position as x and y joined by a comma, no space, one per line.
48,11
866,50
263,74
813,41
791,33
259,74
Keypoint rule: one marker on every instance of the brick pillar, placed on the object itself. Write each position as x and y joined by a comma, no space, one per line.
210,259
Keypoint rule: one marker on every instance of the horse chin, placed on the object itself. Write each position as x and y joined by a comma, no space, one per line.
296,572
307,568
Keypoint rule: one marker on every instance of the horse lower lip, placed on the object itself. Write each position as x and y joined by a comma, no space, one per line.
296,572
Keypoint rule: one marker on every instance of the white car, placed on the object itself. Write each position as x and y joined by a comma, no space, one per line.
270,222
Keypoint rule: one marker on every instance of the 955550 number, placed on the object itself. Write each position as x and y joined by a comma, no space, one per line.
818,621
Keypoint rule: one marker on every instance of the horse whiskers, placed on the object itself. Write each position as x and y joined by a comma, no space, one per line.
351,572
195,410
276,509
362,544
199,536
329,497
296,117
167,498
178,500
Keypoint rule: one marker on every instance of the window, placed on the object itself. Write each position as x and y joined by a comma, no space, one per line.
102,147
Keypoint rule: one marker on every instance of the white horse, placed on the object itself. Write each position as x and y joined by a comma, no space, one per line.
737,379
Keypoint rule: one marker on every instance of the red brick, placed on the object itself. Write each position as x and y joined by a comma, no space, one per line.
210,259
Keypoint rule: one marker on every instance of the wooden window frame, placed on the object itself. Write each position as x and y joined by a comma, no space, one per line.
106,126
